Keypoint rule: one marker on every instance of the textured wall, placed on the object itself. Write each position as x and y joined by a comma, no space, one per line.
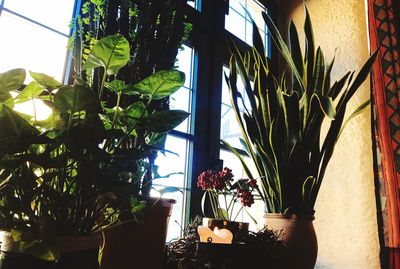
346,222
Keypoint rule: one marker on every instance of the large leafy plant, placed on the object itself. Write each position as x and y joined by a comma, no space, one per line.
281,123
59,176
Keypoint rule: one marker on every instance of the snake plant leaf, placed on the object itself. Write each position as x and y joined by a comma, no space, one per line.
12,80
240,157
327,79
337,87
361,76
161,84
319,73
326,105
258,43
75,98
309,48
307,187
30,92
45,80
164,121
284,50
355,113
295,49
111,52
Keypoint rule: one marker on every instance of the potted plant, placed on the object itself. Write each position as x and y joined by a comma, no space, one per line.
61,177
281,127
223,195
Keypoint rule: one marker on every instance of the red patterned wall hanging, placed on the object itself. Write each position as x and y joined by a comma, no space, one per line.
384,36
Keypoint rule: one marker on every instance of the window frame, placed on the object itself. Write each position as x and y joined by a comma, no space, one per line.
208,39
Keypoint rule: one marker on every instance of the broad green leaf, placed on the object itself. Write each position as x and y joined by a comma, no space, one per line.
31,91
6,99
12,79
111,52
75,98
161,84
132,114
46,81
116,85
164,121
18,134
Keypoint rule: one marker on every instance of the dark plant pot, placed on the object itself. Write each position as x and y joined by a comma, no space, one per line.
139,245
239,230
298,233
76,253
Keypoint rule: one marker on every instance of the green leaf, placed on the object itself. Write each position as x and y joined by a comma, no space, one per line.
31,91
6,99
278,40
132,114
75,98
136,205
325,104
161,84
116,86
18,134
164,121
355,113
309,47
169,190
46,81
111,52
12,79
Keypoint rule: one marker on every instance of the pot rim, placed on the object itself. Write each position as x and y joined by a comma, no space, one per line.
228,221
291,216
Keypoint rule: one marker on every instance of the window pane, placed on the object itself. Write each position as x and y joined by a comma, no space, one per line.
31,47
238,22
185,62
168,164
182,99
196,4
54,14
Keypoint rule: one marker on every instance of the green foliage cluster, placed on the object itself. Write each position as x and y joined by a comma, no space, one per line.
281,126
60,176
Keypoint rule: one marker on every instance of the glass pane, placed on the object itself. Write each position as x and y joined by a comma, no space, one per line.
31,47
238,22
185,63
255,10
175,165
181,100
235,23
196,4
54,14
257,209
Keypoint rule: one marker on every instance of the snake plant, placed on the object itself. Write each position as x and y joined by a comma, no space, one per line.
281,123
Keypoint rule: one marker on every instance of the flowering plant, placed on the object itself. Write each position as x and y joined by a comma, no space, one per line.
224,193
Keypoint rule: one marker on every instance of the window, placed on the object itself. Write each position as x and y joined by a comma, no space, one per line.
30,28
206,97
177,164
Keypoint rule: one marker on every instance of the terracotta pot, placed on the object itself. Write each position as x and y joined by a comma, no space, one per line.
299,235
78,252
139,245
239,230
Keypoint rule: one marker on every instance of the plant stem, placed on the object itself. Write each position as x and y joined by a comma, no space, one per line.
103,81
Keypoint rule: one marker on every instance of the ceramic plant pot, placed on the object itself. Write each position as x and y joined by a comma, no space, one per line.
78,252
299,235
139,245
